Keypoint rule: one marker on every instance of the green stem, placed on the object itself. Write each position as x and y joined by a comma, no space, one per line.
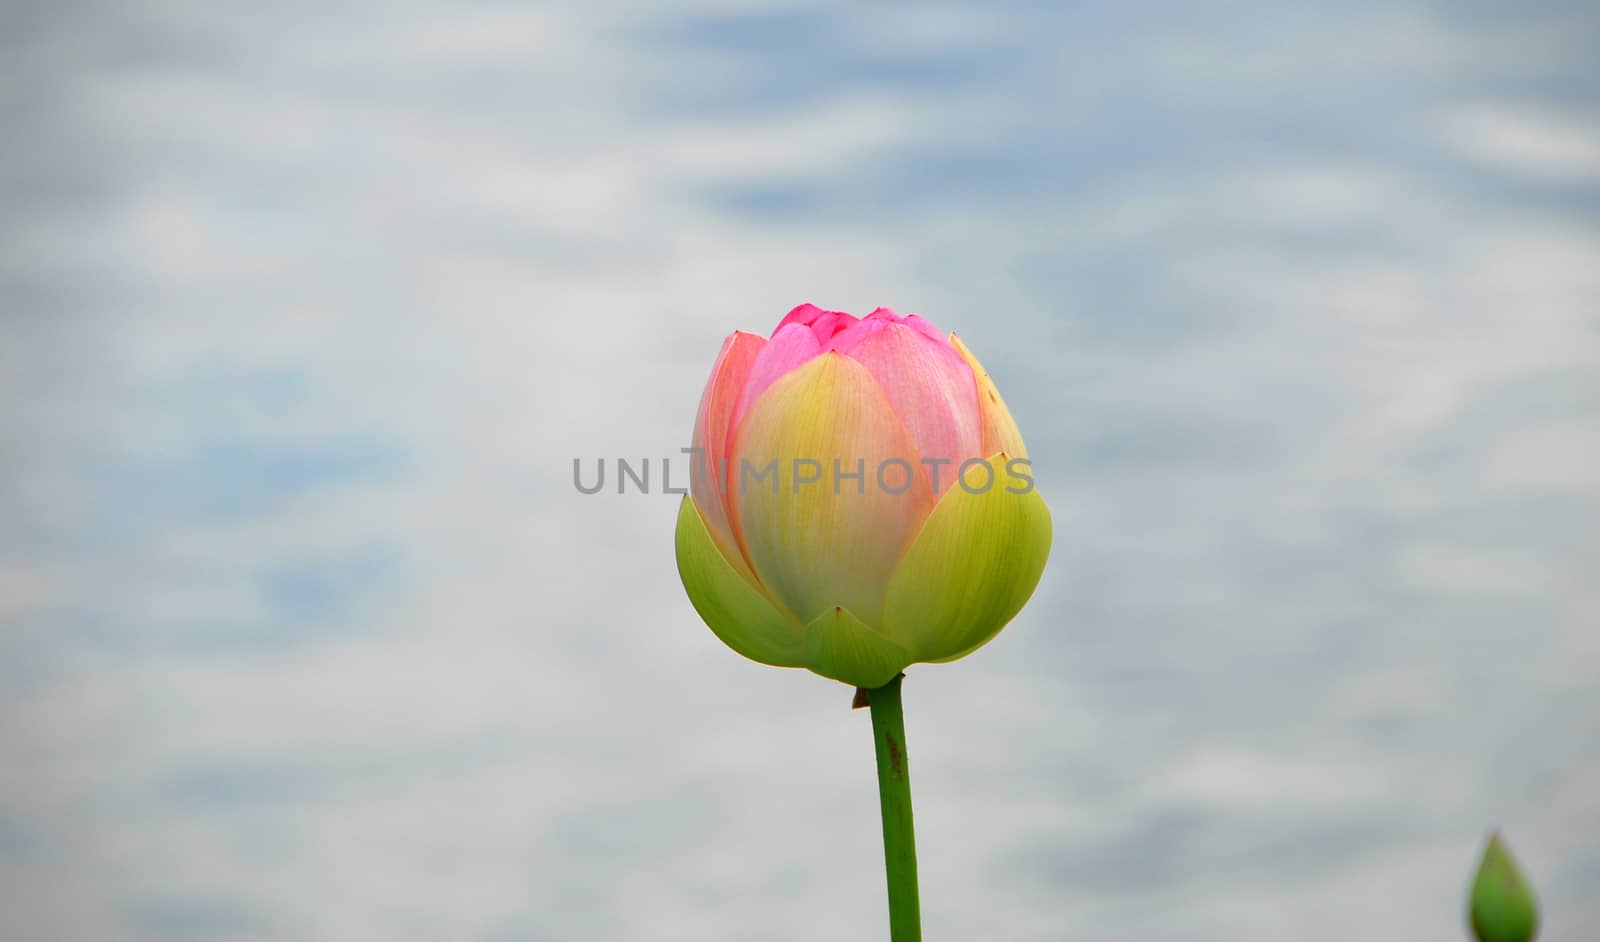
894,794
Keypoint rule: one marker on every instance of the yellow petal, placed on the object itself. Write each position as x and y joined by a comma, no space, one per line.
971,569
1000,433
829,542
736,611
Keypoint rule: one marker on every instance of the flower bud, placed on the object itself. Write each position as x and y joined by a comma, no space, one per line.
862,499
1502,908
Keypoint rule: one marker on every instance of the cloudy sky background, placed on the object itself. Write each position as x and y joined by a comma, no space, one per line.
306,309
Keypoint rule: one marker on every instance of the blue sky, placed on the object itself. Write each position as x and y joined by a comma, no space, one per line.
305,311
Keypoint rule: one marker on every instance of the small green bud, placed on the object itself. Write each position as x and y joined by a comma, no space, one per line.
1502,908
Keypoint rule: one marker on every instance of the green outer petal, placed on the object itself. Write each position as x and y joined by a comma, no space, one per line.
843,648
970,570
735,610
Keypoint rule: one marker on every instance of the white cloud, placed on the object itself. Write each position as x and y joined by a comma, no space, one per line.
1531,141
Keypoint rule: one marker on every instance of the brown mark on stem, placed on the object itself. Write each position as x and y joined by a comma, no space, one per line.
896,757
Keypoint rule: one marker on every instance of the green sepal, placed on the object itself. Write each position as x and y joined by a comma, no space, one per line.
843,648
970,570
736,611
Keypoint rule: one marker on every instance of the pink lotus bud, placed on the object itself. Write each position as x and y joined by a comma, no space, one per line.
863,499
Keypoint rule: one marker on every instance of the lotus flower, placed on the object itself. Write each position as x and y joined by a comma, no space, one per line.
860,502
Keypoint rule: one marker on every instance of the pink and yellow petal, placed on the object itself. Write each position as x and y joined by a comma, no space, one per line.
818,545
1000,432
734,609
971,568
711,433
792,346
929,385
